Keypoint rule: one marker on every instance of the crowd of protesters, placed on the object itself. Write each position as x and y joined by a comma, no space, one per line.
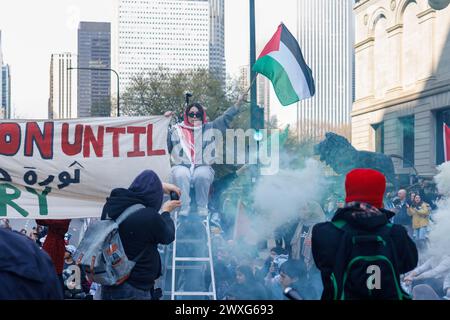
242,274
242,271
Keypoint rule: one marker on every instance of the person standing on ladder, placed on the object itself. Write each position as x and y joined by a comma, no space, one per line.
189,164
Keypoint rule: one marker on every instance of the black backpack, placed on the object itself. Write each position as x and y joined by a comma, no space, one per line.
366,265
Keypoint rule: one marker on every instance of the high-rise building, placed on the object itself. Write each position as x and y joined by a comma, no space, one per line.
325,34
94,86
2,112
62,102
263,89
175,35
6,92
5,86
217,38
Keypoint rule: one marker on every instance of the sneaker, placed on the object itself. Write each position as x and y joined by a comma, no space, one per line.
203,212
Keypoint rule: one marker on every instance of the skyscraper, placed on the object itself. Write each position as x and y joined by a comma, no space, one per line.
176,35
2,112
217,38
62,102
325,35
6,92
94,86
263,92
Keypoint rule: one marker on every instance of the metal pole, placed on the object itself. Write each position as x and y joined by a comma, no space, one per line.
253,100
118,92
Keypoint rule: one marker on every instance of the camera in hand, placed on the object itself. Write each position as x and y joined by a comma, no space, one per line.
174,195
396,201
292,294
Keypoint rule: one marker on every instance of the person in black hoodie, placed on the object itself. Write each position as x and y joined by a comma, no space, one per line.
363,212
26,272
141,233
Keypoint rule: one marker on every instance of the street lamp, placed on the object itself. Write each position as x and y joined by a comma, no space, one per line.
105,69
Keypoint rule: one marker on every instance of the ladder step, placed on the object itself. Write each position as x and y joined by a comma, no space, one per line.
190,241
193,293
190,267
194,242
192,259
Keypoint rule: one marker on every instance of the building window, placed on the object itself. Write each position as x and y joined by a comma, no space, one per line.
379,137
442,117
408,141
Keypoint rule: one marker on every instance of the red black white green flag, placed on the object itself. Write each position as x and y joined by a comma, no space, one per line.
446,143
282,62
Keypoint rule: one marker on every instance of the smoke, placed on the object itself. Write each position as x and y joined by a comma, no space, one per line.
440,230
278,199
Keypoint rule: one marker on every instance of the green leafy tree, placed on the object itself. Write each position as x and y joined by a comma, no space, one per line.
155,92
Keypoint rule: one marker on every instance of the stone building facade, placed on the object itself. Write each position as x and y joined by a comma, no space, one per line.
402,69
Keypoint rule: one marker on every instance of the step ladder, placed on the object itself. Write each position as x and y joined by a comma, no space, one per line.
178,262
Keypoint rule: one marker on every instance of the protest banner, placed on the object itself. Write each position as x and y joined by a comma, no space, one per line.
66,168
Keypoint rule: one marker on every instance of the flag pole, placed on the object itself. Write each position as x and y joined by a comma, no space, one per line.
251,84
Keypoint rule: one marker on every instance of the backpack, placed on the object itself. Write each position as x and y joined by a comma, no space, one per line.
101,254
366,265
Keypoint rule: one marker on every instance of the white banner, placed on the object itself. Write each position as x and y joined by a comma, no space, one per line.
66,168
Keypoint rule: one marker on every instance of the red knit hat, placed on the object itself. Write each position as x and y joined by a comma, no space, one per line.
365,185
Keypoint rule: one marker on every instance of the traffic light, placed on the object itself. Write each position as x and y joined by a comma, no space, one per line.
257,117
257,121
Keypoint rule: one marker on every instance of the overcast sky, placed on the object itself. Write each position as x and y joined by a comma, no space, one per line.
33,30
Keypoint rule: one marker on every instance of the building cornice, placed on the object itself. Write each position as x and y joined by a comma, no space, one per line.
441,87
364,42
393,28
426,12
360,4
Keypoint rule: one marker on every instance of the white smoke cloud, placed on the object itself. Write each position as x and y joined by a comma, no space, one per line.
440,231
279,198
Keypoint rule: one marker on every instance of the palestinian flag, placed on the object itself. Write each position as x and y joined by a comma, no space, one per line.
282,62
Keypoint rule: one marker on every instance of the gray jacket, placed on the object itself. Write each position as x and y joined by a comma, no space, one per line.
203,135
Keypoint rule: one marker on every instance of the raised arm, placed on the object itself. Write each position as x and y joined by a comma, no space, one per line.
223,122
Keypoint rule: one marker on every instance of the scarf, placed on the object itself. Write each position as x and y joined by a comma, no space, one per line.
186,134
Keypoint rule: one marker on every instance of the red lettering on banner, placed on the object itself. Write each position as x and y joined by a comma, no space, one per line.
137,131
10,136
74,148
91,139
115,139
150,151
43,141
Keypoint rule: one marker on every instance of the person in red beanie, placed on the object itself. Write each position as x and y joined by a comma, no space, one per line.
54,243
359,253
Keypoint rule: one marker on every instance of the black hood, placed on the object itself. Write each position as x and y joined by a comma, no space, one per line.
119,200
146,189
363,216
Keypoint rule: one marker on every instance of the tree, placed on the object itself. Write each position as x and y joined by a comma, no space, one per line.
155,92
158,91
